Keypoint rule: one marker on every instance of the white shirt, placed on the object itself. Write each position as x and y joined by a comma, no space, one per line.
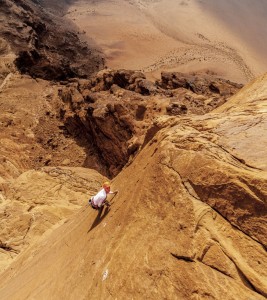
100,197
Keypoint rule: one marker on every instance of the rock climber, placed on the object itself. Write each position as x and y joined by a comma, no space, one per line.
100,199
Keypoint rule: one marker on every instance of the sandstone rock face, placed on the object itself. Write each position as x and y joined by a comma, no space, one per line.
98,123
37,202
189,221
31,134
187,154
114,110
33,199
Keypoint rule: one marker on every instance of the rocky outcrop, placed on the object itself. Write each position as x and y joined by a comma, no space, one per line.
189,221
35,199
188,159
88,123
203,84
31,134
114,110
42,46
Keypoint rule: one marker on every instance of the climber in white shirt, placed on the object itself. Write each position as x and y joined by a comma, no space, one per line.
100,199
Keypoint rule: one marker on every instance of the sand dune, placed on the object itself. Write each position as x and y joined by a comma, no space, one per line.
186,35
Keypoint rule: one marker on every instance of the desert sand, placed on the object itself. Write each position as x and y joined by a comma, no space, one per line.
186,36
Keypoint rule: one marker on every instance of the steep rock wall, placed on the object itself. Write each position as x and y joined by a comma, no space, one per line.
188,223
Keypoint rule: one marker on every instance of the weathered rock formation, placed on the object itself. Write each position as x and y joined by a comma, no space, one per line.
189,221
37,202
43,44
34,199
187,154
114,111
98,123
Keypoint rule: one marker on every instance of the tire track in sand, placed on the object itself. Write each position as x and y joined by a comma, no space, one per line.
200,50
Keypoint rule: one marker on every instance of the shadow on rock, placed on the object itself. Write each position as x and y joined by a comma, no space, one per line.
99,218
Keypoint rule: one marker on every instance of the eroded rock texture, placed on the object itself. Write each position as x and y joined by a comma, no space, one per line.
43,44
189,221
112,113
187,154
37,202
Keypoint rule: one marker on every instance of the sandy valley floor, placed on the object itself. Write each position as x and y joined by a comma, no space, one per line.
186,35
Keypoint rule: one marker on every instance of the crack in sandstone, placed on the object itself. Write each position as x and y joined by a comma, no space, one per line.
240,273
183,257
216,269
28,228
240,160
254,190
237,264
244,277
233,225
192,193
190,189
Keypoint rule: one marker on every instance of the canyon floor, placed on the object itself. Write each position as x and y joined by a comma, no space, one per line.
168,35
